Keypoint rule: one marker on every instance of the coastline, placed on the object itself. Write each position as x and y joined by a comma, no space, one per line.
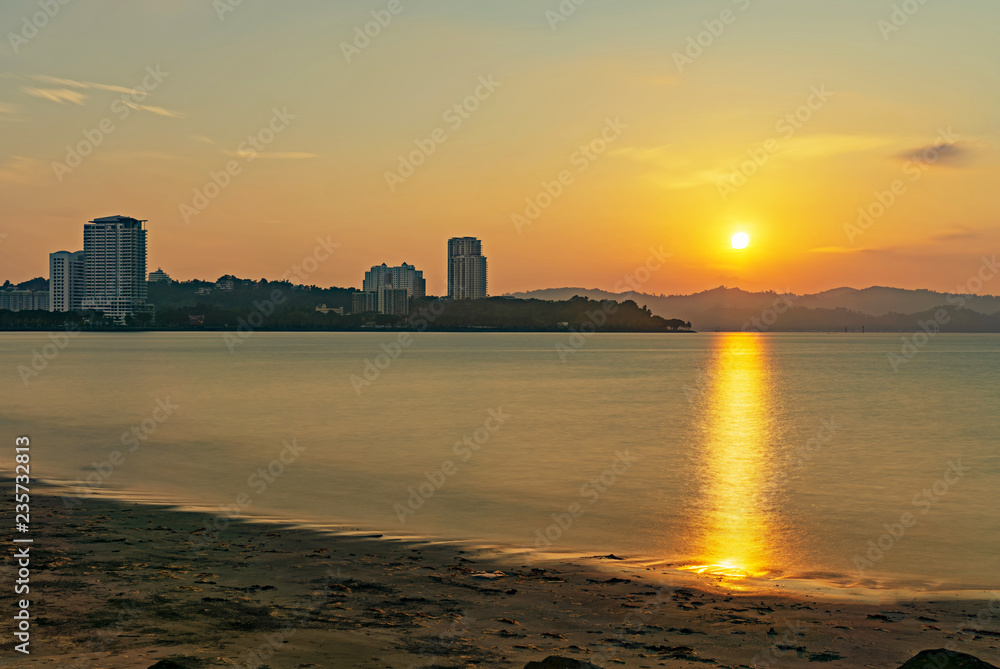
124,584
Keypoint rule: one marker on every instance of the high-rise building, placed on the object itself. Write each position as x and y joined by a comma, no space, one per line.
364,302
466,269
404,276
66,280
393,301
159,276
114,266
24,300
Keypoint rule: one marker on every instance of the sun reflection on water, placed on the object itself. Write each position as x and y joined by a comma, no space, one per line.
734,524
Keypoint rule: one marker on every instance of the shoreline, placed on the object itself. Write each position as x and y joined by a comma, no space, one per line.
124,584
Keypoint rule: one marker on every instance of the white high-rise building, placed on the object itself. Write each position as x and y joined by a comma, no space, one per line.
466,269
404,276
114,266
66,280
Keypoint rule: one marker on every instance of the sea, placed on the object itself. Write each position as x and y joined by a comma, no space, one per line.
861,462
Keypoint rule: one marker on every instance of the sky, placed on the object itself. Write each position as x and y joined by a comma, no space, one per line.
576,140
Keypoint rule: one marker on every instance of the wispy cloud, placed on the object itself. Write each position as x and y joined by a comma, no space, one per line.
275,155
832,249
161,111
70,83
824,146
60,95
20,170
70,92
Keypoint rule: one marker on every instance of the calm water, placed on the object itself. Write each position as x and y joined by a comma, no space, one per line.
691,451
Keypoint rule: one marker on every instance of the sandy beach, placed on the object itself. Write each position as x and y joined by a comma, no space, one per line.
119,584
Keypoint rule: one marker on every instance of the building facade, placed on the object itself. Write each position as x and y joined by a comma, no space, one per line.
115,266
158,276
393,301
24,300
404,276
466,269
364,302
66,280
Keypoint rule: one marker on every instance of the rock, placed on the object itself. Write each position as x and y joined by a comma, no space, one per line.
945,659
556,662
167,664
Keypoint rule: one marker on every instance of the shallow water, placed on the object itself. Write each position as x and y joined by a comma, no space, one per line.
773,456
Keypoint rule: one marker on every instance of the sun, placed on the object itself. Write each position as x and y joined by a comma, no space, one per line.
741,240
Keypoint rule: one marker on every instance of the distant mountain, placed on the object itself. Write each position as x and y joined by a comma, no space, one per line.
876,308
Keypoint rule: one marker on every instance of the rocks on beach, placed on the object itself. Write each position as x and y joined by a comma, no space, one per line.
557,662
945,659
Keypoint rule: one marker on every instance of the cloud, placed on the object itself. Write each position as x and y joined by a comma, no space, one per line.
60,95
832,249
70,83
20,170
155,110
958,236
8,108
203,139
276,155
824,146
943,153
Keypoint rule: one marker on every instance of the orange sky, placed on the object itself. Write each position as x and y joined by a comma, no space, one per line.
668,126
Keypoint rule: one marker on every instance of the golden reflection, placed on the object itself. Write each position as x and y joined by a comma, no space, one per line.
733,526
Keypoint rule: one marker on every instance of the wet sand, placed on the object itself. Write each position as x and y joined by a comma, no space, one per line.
118,584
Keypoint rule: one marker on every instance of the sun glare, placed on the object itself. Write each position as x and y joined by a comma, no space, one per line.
741,240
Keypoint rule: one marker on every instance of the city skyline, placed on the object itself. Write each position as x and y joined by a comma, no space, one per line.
838,163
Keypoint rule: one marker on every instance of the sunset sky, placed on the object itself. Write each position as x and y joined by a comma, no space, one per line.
677,121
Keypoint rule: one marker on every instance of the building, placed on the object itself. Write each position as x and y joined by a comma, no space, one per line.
364,302
323,309
404,276
393,301
66,280
115,266
24,300
466,269
159,276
